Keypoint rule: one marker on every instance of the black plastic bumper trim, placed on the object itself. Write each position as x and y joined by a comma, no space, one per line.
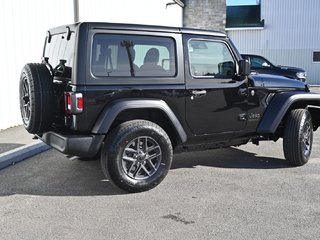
75,145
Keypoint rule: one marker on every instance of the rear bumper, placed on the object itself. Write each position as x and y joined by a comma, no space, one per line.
75,145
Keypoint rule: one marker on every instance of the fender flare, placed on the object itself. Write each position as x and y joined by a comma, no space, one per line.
279,106
113,109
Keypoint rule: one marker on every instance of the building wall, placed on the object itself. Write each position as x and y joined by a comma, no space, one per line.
290,35
23,27
205,14
151,12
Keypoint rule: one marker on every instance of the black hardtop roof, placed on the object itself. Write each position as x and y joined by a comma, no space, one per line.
137,27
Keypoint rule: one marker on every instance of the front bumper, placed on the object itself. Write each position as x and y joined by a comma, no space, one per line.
74,145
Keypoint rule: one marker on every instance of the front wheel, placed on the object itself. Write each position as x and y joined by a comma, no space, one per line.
298,137
137,155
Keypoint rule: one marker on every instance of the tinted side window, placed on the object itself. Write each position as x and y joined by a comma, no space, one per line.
132,56
259,62
210,59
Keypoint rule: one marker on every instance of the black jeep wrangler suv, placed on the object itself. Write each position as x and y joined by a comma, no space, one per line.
135,94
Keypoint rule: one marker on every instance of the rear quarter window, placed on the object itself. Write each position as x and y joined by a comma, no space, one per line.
132,56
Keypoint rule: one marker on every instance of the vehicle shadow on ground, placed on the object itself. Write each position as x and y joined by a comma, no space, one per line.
54,175
227,158
51,174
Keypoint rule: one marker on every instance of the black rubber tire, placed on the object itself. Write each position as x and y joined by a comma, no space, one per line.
37,80
113,150
298,137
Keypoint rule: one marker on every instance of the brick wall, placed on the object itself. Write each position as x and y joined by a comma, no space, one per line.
205,14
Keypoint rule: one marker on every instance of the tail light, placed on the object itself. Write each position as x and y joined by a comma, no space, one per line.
74,102
68,102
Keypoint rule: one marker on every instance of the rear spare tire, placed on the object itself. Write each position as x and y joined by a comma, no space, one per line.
36,97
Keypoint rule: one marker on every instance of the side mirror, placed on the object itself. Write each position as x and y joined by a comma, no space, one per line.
244,68
265,65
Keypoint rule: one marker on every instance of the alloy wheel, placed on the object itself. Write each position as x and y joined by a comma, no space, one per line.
141,158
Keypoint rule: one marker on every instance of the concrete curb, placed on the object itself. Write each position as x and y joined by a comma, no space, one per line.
19,154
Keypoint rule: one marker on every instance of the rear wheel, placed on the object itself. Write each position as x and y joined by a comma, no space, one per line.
137,155
298,137
36,97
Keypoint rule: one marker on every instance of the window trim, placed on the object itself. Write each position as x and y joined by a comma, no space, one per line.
209,40
178,78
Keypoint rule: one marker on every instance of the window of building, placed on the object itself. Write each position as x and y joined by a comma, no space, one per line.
210,59
133,56
316,56
244,17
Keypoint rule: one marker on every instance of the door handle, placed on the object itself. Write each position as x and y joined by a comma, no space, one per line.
198,93
243,92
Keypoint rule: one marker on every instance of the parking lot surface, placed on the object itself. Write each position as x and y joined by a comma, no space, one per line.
236,193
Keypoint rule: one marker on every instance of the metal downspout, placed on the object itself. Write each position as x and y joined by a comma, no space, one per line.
76,10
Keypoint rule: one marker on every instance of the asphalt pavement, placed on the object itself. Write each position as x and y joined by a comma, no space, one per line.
248,192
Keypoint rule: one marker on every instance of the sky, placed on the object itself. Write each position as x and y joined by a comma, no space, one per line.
241,2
